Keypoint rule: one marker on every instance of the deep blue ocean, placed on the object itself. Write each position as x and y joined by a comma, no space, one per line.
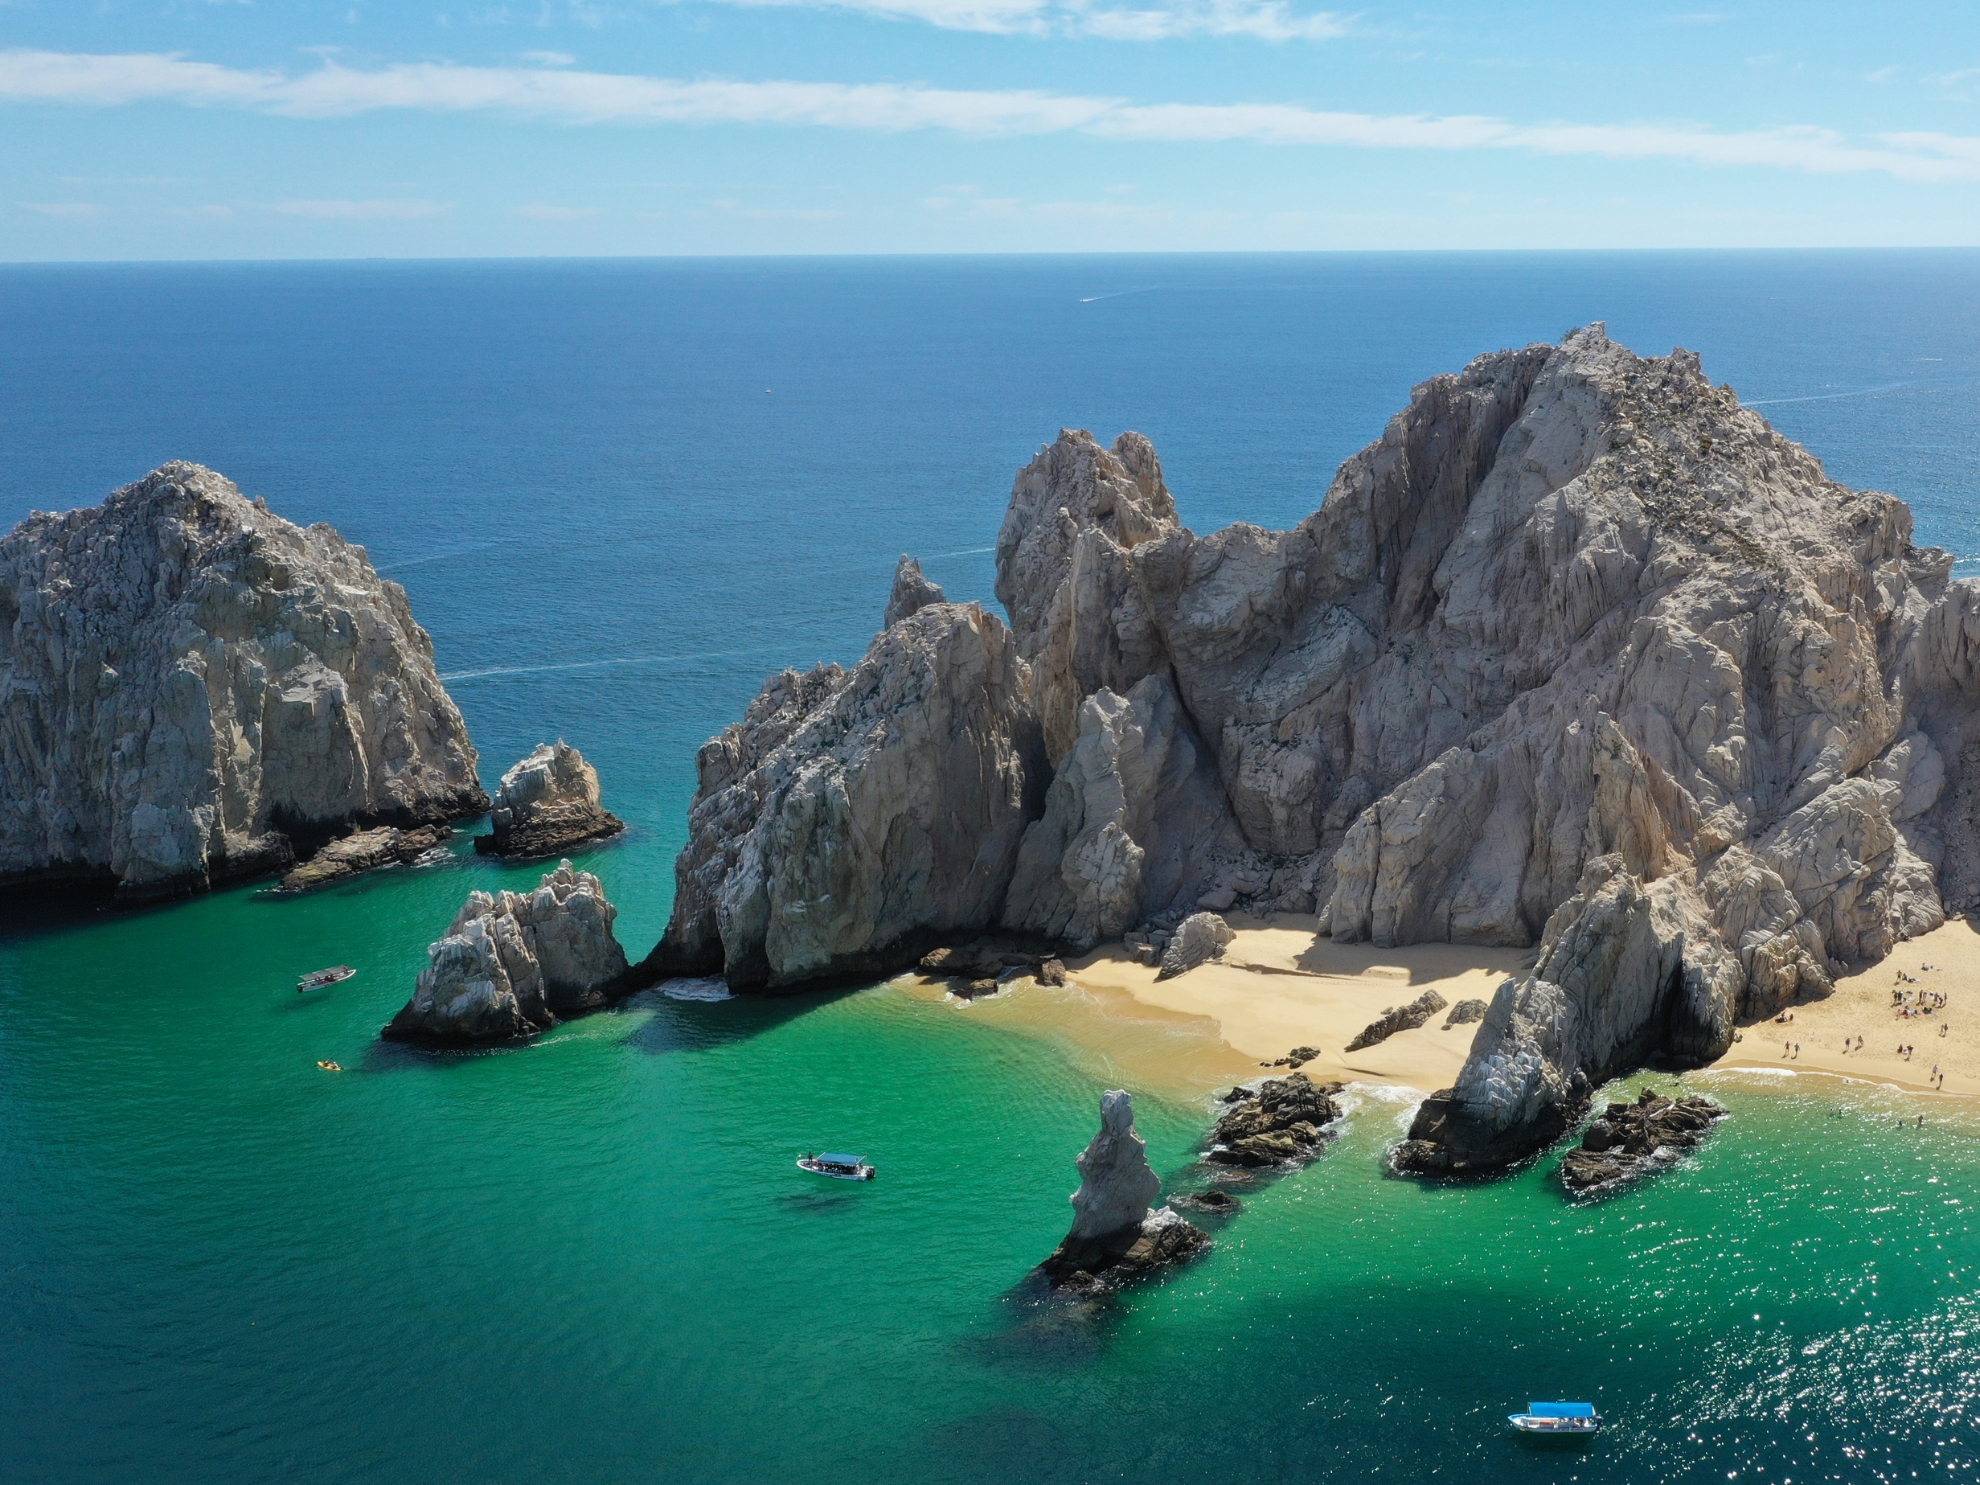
619,494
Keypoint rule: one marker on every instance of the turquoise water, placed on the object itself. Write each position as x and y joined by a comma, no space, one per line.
591,1259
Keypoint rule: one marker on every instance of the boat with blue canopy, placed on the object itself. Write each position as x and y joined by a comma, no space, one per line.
1560,1418
839,1167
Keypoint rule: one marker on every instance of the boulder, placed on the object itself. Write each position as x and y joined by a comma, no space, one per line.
1399,1018
1281,1122
1629,1140
1115,1237
362,851
197,690
1198,939
1465,1013
546,804
513,963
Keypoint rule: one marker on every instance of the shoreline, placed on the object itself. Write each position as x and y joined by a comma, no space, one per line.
1280,985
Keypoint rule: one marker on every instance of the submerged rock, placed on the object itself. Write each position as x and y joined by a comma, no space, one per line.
195,688
1115,1238
513,963
1633,1138
1198,939
546,804
1282,1121
1399,1018
362,851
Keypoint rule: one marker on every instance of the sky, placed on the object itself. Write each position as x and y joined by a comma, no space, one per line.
208,129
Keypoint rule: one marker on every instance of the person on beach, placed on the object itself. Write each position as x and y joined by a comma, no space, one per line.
1797,1051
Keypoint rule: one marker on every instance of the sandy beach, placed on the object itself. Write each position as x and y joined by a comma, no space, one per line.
1277,987
1861,1006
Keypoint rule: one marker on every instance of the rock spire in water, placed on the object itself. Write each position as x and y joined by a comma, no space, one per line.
1114,1233
194,686
546,804
1579,653
512,963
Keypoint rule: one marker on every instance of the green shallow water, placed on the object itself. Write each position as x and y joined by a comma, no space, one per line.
592,1258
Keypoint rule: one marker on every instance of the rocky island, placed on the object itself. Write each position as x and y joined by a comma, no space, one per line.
548,803
1579,654
197,690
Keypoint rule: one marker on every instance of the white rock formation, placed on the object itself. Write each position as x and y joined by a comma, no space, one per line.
546,804
854,816
1131,819
1579,652
1113,1230
1198,939
187,681
911,593
513,962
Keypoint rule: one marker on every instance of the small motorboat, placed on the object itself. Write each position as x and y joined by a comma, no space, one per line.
317,979
838,1167
1559,1419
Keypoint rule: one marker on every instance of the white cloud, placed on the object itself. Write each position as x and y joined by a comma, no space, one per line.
333,91
1264,20
541,211
550,59
72,209
364,211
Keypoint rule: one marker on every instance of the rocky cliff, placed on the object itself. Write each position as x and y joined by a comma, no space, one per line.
855,816
1579,654
192,686
512,963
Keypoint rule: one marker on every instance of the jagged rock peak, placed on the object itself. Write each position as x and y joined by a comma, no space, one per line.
191,680
1114,1233
854,818
512,963
549,802
911,592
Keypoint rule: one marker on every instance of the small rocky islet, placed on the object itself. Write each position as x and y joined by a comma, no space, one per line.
1579,655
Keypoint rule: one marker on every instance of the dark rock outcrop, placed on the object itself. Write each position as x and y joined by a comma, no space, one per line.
195,690
1115,1238
1465,1013
1399,1018
362,851
1630,1139
1282,1121
547,804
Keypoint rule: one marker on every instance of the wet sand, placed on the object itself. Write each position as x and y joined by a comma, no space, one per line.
1861,1006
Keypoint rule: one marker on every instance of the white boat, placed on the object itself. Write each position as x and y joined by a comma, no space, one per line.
317,979
838,1167
1562,1419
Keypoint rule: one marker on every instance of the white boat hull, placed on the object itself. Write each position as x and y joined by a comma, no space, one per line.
862,1173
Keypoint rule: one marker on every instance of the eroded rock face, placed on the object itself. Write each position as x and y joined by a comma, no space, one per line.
192,686
911,593
546,804
1132,818
853,816
1114,1234
513,963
